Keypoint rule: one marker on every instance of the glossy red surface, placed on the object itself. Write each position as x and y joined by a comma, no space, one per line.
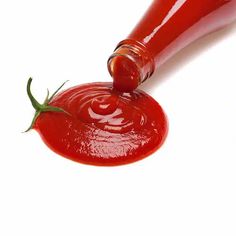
166,28
105,128
110,128
123,69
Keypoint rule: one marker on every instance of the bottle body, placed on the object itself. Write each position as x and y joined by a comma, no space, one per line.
166,28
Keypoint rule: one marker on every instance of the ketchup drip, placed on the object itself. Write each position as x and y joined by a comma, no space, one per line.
95,124
104,127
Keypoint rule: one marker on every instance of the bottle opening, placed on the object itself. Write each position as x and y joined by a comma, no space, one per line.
130,65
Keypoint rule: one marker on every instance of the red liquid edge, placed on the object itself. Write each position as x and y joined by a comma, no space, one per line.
109,128
105,128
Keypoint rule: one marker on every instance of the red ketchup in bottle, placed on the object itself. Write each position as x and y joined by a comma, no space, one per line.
115,124
166,28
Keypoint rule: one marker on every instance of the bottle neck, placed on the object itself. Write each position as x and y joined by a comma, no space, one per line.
167,27
130,65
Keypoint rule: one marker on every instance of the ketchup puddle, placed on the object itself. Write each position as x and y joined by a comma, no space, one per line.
103,127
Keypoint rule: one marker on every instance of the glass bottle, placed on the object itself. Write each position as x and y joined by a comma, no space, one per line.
166,28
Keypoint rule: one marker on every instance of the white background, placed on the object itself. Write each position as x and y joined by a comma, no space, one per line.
186,188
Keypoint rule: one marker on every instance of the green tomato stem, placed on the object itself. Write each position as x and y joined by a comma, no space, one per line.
39,108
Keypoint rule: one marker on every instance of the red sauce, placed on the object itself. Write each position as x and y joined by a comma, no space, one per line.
105,127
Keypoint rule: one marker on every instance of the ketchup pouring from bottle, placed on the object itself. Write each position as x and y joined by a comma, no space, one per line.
109,124
167,27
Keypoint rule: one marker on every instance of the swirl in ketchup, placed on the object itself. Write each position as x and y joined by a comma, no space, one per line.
104,127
